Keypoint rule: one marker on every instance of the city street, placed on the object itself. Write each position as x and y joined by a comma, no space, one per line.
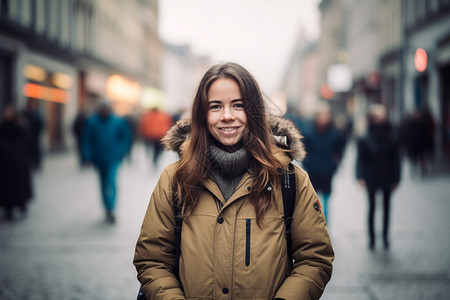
64,249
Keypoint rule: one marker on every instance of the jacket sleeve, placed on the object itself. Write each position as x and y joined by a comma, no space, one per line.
154,257
86,141
311,246
125,137
360,163
396,165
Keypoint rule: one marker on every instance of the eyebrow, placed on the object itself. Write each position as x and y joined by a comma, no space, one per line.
232,101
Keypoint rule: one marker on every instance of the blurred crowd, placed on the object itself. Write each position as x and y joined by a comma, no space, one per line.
379,155
104,140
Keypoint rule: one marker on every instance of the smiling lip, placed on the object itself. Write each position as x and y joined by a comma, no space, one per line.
228,130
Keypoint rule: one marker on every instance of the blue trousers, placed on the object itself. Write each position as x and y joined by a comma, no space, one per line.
324,203
108,175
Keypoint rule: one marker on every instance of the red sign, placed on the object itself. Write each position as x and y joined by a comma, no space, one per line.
420,60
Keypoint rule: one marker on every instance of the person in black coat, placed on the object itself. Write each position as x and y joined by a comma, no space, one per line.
15,165
35,126
378,167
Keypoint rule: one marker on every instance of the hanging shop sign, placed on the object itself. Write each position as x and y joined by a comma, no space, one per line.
420,60
326,92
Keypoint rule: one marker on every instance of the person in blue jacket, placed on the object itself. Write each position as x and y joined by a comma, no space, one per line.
106,140
324,147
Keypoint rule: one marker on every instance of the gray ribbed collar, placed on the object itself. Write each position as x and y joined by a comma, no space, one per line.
228,164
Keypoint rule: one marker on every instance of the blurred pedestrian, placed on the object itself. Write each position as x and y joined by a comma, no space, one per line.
15,163
153,125
77,129
293,114
35,126
106,140
378,167
228,187
324,146
417,136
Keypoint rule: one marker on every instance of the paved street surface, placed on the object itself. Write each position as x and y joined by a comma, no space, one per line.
63,249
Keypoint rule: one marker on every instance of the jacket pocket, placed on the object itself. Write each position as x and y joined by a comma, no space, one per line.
247,241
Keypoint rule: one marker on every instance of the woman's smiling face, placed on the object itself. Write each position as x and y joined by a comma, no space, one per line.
226,115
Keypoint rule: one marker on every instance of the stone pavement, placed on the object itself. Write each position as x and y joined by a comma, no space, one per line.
417,265
63,249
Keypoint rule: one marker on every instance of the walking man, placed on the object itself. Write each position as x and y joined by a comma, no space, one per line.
106,140
378,167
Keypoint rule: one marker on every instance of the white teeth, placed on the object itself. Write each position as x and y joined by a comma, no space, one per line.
227,129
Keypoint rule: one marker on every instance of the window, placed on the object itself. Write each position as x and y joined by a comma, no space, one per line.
40,16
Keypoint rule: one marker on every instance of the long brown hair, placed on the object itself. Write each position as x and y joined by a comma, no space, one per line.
258,141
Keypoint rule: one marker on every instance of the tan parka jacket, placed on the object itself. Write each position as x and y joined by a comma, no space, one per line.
224,254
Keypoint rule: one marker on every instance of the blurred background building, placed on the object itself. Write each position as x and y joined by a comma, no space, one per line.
70,54
393,52
181,72
300,81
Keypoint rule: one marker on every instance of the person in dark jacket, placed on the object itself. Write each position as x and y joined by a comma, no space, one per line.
324,146
106,140
77,128
15,171
378,167
35,126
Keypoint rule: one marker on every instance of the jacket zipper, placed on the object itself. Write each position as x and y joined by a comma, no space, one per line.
247,241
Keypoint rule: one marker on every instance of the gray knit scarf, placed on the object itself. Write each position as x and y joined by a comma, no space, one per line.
227,168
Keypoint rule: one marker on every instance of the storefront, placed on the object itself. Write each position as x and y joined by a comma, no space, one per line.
51,84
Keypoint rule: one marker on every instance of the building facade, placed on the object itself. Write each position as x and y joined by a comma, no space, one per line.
426,84
70,54
182,71
389,56
334,60
300,80
399,55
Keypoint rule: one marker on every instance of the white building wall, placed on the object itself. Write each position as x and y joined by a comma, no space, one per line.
362,42
181,72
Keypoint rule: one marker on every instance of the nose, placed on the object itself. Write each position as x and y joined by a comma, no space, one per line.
227,114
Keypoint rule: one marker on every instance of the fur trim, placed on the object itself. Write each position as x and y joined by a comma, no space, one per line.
285,128
286,135
177,135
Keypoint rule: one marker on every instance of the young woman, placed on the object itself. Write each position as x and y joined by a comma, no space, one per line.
227,185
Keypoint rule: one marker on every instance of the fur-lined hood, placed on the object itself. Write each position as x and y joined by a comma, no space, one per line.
286,136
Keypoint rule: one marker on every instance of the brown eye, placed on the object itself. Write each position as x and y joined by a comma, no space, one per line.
214,107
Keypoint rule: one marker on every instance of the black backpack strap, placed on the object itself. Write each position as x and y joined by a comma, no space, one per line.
177,231
288,189
141,295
